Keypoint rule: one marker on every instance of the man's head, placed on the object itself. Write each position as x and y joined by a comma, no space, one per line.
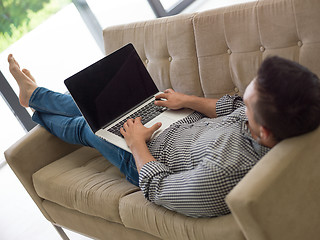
283,100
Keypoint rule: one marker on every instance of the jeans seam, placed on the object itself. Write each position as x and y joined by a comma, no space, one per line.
131,166
79,128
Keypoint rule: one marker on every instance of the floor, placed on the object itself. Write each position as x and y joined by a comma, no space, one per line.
20,218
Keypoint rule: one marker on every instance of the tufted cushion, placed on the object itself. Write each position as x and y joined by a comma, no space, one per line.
137,213
243,35
227,44
84,181
166,46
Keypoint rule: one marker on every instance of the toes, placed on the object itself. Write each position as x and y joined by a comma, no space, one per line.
27,72
13,64
10,58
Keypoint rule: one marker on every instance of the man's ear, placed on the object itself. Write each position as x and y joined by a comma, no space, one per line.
267,137
265,133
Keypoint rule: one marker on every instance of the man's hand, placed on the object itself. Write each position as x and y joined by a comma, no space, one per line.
172,99
175,101
134,132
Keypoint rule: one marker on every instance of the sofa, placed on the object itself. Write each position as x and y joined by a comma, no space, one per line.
207,54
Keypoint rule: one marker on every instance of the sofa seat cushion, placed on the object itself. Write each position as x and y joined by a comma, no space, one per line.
84,181
138,213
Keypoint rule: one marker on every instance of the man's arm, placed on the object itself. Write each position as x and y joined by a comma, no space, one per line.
199,192
175,100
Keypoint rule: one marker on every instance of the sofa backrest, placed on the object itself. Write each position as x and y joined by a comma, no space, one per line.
232,42
167,48
218,52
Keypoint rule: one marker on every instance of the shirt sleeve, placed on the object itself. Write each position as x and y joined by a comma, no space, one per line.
227,104
199,192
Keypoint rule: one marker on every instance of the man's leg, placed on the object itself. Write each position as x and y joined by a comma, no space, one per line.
75,130
47,101
59,115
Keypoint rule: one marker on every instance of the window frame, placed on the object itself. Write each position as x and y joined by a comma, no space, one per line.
159,10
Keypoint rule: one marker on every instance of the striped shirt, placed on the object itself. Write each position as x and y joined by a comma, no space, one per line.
200,159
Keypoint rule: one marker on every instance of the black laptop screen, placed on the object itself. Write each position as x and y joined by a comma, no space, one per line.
110,87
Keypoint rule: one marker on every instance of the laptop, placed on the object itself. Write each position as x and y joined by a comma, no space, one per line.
116,88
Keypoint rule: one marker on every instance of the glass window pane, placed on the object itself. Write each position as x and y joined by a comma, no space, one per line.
203,5
18,18
53,51
111,13
57,48
10,128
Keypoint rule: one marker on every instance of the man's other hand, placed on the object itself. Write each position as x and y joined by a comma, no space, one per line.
134,132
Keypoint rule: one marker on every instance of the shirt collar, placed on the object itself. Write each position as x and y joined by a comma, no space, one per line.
259,149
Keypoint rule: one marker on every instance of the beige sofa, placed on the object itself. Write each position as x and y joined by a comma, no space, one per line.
208,54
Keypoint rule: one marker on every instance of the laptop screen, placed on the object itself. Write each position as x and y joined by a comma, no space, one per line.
110,87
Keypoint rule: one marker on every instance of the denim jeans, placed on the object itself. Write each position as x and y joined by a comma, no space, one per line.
60,116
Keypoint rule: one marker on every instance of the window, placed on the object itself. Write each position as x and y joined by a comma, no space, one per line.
56,38
58,47
8,134
164,8
121,11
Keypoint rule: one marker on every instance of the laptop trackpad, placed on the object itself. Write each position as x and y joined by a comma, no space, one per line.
167,118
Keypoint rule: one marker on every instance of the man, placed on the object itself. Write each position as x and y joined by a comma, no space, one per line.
193,165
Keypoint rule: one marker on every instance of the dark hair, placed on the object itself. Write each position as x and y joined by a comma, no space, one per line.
288,102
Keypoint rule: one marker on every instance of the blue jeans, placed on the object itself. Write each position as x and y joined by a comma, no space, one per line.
60,116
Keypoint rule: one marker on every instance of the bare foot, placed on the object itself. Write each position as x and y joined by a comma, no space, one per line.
27,72
24,79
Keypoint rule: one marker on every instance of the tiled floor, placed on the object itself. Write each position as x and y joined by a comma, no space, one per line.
52,59
20,219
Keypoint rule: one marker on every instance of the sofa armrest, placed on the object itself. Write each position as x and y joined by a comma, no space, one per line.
279,198
32,152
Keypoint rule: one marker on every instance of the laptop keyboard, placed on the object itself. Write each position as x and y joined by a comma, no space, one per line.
147,113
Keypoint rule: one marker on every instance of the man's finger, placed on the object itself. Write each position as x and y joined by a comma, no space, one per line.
170,90
129,122
156,126
161,95
160,103
138,119
122,131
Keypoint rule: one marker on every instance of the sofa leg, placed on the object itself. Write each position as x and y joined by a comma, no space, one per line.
62,234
